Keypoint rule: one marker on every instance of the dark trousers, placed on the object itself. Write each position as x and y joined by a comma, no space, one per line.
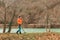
19,28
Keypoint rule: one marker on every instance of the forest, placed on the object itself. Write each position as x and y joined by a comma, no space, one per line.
35,13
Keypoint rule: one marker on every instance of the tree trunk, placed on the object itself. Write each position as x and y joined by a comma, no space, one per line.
4,22
11,22
48,24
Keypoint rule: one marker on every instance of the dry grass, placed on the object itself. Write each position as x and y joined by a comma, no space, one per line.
31,36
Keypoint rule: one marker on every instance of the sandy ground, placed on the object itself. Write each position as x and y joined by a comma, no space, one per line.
30,36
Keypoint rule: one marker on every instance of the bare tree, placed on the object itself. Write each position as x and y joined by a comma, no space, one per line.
2,2
4,22
11,21
48,19
48,24
6,15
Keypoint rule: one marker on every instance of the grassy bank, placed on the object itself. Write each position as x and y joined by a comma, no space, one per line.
30,36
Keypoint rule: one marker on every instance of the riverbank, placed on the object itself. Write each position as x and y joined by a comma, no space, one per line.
31,30
30,36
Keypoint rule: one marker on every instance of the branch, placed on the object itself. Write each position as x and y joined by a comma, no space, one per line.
52,6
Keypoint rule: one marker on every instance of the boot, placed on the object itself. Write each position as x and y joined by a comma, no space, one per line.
20,32
17,32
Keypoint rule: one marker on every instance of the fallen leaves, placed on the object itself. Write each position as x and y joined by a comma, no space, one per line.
32,36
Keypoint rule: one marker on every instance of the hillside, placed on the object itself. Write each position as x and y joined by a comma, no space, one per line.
32,11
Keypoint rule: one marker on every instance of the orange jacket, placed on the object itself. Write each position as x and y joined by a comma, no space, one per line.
19,20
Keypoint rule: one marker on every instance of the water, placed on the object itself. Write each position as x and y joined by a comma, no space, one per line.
32,30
